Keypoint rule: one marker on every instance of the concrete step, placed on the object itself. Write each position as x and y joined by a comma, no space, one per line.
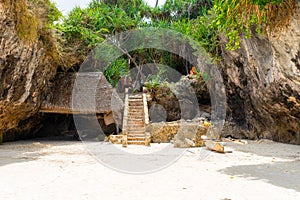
136,128
141,135
135,110
136,107
136,104
132,109
135,124
138,143
135,121
137,135
136,132
136,114
135,97
130,138
135,100
136,117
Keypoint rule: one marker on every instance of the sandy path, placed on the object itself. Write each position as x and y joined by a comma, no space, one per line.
64,170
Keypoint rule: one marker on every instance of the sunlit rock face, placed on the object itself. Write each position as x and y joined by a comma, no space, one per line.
263,86
25,71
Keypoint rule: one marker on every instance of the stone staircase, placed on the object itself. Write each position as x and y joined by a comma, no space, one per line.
135,120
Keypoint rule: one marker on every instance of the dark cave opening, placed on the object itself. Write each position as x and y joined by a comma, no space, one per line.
62,127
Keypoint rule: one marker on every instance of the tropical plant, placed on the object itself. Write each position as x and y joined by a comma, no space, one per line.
201,20
234,17
154,81
119,68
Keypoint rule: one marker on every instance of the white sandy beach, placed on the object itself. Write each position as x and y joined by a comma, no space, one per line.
64,170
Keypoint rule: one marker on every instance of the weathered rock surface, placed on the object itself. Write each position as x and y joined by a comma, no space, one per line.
25,70
180,101
263,86
178,132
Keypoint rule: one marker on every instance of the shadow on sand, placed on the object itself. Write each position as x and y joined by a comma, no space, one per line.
282,174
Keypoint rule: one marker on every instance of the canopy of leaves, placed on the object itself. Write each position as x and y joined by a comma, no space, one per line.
201,20
182,9
83,29
92,24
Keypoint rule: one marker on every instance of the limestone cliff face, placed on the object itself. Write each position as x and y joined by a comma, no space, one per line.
263,86
25,70
262,78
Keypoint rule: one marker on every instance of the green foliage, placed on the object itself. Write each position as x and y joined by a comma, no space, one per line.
53,14
100,19
262,3
110,17
192,18
200,30
201,20
83,29
119,68
154,81
234,17
133,8
180,9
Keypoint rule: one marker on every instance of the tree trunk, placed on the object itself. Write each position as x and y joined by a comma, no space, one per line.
263,86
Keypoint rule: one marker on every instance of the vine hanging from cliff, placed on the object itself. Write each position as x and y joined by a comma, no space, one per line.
236,16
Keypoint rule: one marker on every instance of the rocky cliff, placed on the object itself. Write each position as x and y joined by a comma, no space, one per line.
262,78
263,85
26,62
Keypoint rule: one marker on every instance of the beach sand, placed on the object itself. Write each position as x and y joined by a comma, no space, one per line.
50,169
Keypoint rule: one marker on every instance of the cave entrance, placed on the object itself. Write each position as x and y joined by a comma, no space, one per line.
62,127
